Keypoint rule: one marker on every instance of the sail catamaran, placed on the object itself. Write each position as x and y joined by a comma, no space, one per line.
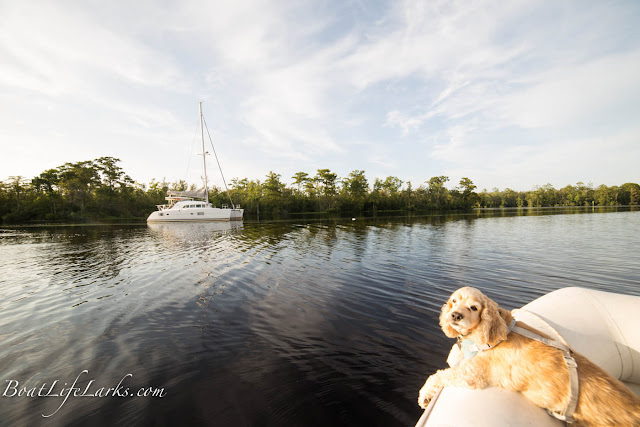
192,206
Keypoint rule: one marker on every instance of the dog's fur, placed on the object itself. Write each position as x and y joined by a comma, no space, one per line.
521,364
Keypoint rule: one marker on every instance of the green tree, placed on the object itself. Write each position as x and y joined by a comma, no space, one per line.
158,190
47,183
113,194
253,191
112,174
510,199
327,181
311,188
77,183
18,187
438,193
179,185
629,193
356,184
300,179
568,195
100,188
273,193
391,185
356,189
377,195
468,195
273,188
408,194
606,196
584,194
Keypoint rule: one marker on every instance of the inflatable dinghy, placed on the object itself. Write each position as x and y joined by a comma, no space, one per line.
600,325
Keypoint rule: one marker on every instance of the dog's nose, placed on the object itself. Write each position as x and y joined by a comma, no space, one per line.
456,316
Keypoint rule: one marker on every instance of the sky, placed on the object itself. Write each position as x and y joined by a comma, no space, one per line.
509,94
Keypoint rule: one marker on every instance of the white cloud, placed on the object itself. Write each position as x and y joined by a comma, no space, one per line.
432,40
601,159
575,93
491,95
66,48
484,87
455,144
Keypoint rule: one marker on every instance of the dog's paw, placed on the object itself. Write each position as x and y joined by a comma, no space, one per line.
427,392
423,401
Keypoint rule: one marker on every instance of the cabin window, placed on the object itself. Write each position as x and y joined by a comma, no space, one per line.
200,213
161,214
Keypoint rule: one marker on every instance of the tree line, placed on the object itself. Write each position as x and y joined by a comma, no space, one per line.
100,190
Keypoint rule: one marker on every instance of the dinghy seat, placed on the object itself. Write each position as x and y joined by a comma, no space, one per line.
603,326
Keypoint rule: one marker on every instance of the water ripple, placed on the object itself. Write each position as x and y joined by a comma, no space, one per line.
280,323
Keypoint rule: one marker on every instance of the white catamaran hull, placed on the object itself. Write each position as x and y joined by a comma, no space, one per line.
191,215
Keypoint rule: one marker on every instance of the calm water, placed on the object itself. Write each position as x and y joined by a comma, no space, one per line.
277,324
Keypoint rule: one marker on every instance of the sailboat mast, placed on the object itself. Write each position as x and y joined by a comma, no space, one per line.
204,157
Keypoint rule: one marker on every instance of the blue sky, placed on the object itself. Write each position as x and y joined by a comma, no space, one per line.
510,94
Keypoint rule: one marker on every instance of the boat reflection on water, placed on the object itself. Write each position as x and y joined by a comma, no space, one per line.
192,231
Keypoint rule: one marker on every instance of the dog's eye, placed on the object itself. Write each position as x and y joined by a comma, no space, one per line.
453,301
474,308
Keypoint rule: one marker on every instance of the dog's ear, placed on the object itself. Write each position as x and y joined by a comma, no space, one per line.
506,315
492,328
445,319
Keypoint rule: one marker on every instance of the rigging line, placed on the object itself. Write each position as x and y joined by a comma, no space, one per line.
195,133
218,161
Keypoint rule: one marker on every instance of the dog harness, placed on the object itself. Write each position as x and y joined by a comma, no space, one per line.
470,349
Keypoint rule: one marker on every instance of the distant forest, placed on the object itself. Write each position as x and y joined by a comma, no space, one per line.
99,189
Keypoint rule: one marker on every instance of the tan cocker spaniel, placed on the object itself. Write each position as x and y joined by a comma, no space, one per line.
518,363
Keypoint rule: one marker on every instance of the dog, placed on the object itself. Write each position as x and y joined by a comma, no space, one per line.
518,363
